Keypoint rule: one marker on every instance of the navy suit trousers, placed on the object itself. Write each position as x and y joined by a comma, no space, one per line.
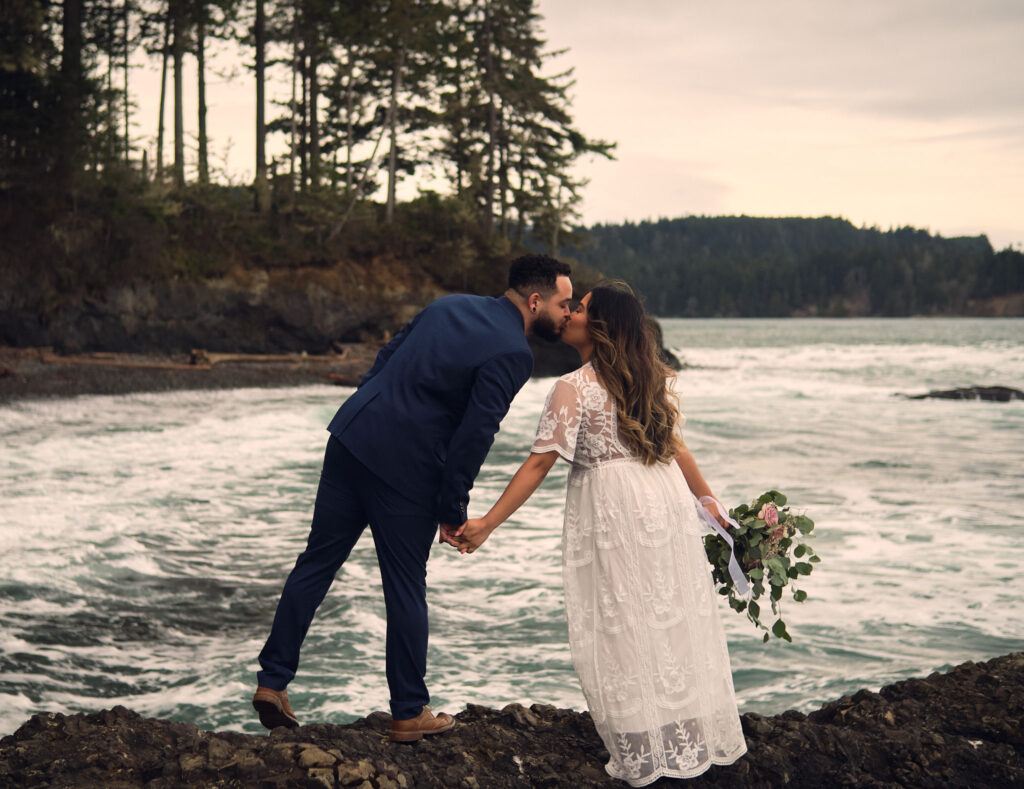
349,498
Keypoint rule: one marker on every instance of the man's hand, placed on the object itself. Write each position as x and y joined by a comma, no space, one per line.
450,534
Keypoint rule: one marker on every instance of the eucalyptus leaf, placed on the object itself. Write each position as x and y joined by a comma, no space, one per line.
799,595
779,630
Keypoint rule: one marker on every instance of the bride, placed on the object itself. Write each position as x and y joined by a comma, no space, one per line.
644,630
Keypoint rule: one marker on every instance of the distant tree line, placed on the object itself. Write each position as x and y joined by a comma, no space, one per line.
746,266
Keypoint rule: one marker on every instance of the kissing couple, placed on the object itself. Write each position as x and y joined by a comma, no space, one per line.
404,451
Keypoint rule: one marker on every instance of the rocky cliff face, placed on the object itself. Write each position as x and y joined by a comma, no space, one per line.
964,728
272,311
258,311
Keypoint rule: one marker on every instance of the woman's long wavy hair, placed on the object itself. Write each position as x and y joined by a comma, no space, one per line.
626,359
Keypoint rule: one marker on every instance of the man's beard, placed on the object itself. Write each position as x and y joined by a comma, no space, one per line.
545,328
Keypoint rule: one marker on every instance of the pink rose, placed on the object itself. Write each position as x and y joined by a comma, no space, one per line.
769,514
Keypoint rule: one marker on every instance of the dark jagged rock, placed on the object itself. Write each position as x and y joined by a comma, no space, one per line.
552,359
964,728
1000,394
666,355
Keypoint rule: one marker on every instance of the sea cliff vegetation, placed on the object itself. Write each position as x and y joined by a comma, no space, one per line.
383,92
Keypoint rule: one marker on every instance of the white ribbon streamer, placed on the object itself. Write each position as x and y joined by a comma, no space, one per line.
738,579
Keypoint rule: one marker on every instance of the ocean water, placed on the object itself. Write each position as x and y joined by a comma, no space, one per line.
146,537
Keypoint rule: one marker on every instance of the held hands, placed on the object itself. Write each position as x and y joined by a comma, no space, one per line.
450,534
467,537
473,535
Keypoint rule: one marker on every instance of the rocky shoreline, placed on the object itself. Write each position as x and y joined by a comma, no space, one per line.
961,728
40,372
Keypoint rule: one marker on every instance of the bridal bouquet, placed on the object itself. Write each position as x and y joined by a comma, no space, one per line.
765,545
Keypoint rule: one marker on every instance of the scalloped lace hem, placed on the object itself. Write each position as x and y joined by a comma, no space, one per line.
665,772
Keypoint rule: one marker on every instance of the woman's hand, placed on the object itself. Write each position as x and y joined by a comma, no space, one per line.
717,510
474,533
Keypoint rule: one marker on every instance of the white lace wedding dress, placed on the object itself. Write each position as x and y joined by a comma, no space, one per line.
644,628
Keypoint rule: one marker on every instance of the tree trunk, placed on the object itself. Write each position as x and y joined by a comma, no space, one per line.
314,121
503,172
396,87
303,124
110,142
556,226
492,120
71,74
178,49
163,97
294,106
262,193
204,164
126,21
520,208
349,126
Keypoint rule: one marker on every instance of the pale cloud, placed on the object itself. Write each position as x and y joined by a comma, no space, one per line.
888,112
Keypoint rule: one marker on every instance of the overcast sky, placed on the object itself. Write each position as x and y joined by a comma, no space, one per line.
885,112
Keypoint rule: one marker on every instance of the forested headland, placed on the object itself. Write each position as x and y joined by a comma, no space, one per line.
748,267
115,236
381,91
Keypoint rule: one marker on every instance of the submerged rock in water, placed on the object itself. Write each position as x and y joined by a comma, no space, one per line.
962,728
1000,394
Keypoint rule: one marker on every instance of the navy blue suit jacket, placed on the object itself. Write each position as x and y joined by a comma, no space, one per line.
425,415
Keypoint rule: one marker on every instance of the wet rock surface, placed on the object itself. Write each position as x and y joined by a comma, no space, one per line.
998,394
963,728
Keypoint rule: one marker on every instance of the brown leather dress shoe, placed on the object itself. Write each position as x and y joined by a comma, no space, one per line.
425,723
274,709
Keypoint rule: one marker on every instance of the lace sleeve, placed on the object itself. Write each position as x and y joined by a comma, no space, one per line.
560,422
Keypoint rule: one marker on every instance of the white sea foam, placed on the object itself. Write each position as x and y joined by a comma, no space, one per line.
147,537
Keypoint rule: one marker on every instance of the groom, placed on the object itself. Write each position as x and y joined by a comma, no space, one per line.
403,453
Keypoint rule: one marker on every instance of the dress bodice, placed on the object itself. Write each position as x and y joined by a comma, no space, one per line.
580,422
